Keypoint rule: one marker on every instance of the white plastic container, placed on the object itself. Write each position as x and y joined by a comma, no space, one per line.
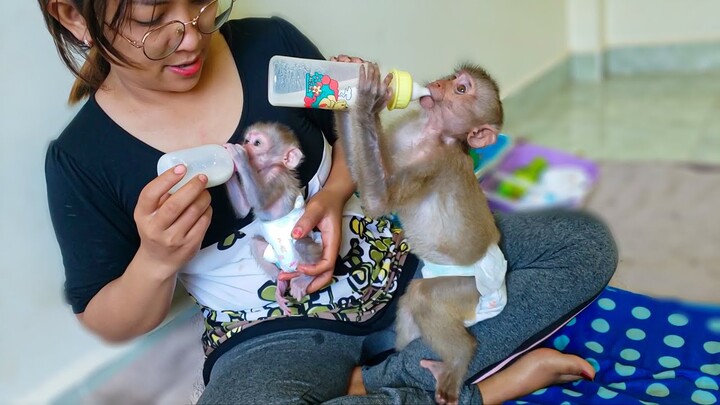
311,83
214,161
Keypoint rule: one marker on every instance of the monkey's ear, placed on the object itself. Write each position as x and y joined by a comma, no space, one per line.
483,136
293,157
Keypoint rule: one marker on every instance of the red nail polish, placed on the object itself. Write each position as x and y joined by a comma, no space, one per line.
586,376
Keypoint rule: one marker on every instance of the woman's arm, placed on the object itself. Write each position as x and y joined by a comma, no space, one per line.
171,230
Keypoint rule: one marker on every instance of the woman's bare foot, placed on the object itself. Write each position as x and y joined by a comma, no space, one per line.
535,370
356,386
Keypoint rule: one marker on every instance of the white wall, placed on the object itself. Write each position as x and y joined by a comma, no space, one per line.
42,347
594,25
41,344
515,40
585,26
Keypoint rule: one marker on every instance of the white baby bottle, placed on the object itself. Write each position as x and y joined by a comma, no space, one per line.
214,161
311,83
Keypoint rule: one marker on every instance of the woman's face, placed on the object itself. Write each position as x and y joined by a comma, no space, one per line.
179,71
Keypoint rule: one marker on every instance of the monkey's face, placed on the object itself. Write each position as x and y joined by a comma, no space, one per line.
453,103
257,145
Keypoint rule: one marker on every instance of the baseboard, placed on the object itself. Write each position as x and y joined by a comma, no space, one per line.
685,58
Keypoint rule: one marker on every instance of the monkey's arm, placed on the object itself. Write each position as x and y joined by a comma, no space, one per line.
258,193
237,197
359,138
362,137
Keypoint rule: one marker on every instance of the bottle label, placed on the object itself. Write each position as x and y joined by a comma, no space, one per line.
322,91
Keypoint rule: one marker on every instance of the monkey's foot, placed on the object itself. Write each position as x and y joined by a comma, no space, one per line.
280,289
537,369
299,285
446,390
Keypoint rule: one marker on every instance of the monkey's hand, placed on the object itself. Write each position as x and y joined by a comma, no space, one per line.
238,154
347,58
373,95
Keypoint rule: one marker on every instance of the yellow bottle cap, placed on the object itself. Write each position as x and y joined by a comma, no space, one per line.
402,88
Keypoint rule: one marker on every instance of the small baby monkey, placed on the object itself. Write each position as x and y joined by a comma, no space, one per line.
266,181
420,169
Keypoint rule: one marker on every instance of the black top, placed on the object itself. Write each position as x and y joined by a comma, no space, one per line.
95,170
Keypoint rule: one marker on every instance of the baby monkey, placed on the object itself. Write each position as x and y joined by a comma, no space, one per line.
420,169
266,181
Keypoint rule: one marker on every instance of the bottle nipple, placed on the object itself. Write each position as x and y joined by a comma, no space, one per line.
404,90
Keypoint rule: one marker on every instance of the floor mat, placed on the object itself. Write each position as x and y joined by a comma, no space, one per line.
645,351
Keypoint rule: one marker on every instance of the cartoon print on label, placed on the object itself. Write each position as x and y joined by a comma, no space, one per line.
322,91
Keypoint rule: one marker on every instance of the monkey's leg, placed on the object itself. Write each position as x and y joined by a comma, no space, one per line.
257,248
299,285
307,251
456,347
405,327
447,336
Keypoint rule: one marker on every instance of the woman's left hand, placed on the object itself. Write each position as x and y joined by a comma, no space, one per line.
324,211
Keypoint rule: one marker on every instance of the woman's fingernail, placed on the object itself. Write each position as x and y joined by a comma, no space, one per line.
179,169
203,178
296,232
586,376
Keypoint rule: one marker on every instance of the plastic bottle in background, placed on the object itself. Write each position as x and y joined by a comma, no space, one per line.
214,161
311,83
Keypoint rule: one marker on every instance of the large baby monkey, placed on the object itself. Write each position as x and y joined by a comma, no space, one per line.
420,169
266,181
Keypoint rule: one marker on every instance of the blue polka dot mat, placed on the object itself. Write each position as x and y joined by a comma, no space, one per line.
645,350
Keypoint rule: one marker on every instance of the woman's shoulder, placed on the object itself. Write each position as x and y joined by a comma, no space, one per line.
269,35
261,26
80,136
93,148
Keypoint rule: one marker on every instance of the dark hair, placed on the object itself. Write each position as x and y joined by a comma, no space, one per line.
90,65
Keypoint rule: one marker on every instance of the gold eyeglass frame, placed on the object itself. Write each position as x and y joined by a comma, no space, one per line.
193,22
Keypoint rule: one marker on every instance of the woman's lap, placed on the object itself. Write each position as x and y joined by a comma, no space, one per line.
557,262
297,366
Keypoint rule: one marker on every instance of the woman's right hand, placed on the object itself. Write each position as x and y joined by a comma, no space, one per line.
172,227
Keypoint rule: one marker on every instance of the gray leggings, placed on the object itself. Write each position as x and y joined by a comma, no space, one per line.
558,261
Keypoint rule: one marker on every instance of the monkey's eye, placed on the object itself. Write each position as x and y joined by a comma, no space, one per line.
257,142
461,88
246,141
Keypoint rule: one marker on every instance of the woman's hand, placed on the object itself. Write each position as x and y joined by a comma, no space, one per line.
346,58
172,227
323,211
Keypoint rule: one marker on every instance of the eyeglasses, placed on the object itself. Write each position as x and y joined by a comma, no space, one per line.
160,42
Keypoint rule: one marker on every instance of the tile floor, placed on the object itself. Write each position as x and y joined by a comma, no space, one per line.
656,138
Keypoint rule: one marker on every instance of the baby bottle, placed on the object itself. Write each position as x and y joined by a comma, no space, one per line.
310,83
214,161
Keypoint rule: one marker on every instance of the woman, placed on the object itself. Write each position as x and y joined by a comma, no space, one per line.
166,75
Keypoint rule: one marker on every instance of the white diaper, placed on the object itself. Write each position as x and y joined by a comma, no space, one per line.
489,273
278,234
